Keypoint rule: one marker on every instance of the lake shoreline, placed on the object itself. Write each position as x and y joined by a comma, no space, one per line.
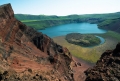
83,28
100,37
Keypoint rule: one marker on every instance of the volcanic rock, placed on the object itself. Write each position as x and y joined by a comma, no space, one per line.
107,68
26,54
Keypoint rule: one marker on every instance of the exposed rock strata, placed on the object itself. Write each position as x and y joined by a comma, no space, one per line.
26,54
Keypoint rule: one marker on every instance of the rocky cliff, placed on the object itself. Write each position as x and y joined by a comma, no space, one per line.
26,54
107,68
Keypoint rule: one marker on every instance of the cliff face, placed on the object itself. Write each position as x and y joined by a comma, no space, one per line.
26,54
111,24
107,68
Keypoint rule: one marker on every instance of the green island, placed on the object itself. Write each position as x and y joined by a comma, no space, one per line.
85,40
94,53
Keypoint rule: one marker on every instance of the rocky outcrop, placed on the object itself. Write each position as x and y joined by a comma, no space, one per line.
26,54
107,68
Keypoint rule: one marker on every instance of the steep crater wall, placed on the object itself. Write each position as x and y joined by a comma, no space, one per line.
26,54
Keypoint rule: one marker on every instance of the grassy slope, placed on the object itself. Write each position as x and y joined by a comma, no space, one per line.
43,21
111,24
41,24
44,17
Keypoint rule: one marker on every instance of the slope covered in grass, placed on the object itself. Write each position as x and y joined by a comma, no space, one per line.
111,24
43,21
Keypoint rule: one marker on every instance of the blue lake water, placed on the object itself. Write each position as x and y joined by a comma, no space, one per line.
83,28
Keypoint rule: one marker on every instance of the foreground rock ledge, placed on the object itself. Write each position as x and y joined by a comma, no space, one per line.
107,68
26,54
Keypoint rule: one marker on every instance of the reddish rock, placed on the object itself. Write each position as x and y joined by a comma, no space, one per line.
107,68
26,54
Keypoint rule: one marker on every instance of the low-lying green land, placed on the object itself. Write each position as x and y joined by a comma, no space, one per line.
91,54
85,40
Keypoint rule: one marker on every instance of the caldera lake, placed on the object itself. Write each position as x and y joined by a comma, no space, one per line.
83,28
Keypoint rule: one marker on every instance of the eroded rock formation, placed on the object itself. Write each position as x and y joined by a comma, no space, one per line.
107,68
26,54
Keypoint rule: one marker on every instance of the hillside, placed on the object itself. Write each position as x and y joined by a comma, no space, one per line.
42,24
111,24
43,21
28,55
52,17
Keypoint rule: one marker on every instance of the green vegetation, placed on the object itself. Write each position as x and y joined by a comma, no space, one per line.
105,23
52,17
42,24
88,54
112,35
43,21
34,17
91,54
109,21
85,40
111,24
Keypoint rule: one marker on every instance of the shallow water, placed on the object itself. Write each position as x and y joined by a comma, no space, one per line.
101,39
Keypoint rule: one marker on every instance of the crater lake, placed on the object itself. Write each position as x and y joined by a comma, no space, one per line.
83,28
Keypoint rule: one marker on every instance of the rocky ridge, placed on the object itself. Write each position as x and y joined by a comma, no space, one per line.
107,68
26,54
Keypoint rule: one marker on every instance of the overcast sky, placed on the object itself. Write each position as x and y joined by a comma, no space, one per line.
63,7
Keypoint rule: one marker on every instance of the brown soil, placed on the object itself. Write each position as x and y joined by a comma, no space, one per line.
79,70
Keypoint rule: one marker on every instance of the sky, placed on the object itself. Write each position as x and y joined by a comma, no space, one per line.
63,7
